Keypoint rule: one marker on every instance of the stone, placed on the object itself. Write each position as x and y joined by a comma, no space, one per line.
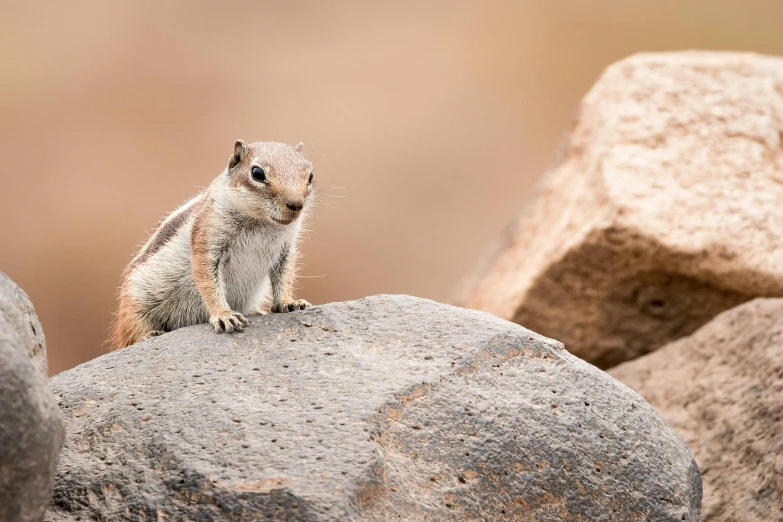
722,390
31,425
389,407
19,315
663,210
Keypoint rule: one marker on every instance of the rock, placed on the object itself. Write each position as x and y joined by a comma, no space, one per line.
20,316
31,425
664,210
389,407
722,389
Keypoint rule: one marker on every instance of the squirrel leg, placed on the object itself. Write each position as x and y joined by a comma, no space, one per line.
207,273
282,278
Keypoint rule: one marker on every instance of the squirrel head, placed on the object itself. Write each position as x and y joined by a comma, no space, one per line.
270,181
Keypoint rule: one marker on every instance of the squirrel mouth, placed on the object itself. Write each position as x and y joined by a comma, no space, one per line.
282,221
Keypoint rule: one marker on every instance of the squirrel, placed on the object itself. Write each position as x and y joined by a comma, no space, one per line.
215,258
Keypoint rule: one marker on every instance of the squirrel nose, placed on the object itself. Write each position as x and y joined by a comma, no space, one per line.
295,205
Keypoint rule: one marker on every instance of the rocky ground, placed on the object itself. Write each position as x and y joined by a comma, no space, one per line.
653,242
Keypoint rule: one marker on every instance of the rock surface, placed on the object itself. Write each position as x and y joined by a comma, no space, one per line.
31,425
386,408
722,389
664,210
19,316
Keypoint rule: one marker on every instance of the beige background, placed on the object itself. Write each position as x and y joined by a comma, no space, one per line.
428,123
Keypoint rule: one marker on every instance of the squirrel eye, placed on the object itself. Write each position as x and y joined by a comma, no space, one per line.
258,174
310,179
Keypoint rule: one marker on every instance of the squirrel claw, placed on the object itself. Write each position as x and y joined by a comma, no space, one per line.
153,333
229,322
290,306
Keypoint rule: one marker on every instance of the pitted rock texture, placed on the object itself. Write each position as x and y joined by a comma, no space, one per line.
722,389
31,425
386,408
664,209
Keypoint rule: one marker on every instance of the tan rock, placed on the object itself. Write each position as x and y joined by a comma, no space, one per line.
665,209
722,390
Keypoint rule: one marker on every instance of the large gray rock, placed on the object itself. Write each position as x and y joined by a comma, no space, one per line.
389,407
31,425
722,389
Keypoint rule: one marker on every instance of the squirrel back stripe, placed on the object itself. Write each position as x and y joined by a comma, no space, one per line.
165,230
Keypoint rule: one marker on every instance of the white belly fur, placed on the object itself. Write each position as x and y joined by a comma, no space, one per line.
164,287
248,263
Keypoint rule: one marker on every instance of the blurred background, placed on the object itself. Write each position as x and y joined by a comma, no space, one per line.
428,124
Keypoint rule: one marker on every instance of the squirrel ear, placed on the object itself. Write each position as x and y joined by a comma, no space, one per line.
240,147
299,146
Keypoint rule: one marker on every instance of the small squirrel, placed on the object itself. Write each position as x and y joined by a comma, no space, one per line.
215,257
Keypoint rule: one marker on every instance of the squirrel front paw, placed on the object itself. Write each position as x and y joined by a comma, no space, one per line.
228,321
290,306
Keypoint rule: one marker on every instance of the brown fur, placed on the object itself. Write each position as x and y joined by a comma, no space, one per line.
202,272
128,327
